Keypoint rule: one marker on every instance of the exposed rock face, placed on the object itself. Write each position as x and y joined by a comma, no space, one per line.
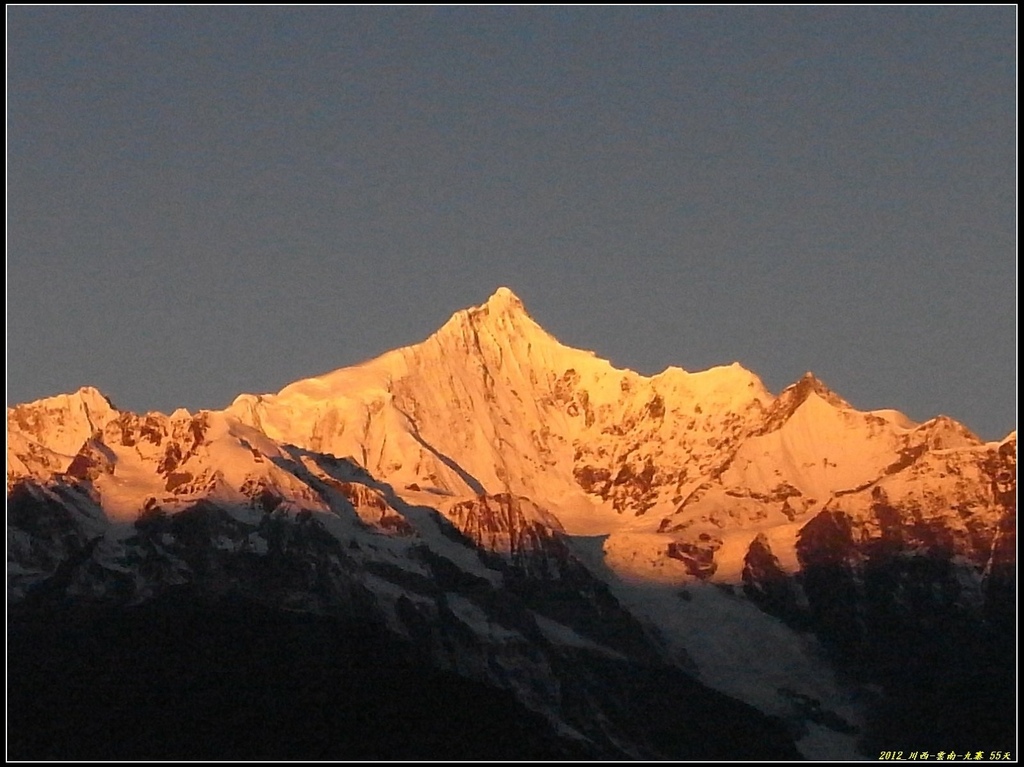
515,528
768,585
540,522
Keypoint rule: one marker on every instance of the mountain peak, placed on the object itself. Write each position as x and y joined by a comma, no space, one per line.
808,384
503,315
504,298
502,302
794,395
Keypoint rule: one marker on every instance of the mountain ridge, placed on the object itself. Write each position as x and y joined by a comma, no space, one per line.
689,512
535,418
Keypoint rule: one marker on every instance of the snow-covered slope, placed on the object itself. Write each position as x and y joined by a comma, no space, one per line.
492,455
492,403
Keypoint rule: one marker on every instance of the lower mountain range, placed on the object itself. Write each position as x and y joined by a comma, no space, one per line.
490,545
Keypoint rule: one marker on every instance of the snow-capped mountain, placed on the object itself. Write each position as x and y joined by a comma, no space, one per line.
532,518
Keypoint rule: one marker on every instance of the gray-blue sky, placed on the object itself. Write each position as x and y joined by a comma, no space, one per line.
208,201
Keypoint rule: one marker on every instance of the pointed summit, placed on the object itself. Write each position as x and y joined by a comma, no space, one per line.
504,299
502,316
503,302
794,395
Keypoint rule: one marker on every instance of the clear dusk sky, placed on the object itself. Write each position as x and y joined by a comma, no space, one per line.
205,201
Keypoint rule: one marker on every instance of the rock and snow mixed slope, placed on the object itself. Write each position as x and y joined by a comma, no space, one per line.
678,461
489,459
